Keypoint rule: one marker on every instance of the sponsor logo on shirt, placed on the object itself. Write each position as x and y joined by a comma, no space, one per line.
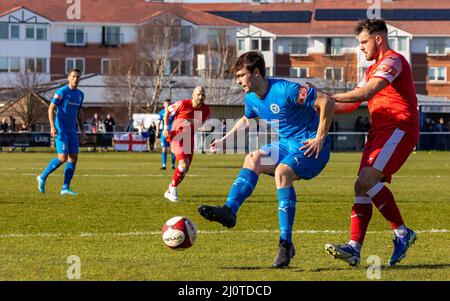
385,68
302,93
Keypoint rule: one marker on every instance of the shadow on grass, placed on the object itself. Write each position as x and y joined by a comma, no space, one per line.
417,266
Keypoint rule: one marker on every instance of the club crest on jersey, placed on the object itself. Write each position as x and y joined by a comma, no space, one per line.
302,93
275,108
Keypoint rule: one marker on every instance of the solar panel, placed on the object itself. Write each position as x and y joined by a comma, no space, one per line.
387,14
265,16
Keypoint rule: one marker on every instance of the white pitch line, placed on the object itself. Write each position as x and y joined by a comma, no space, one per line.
125,234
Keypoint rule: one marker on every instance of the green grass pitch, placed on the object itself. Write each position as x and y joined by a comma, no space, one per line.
114,224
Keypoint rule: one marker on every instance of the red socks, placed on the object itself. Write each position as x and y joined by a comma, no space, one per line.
360,218
178,176
384,200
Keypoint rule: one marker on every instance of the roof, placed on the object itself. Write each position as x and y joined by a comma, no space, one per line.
114,11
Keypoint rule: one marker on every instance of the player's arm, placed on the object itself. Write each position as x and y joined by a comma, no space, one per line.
339,107
80,120
324,105
166,124
242,123
360,94
51,119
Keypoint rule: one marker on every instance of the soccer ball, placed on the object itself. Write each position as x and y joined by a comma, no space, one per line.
179,233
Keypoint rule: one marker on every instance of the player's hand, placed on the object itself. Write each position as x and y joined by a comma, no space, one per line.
166,134
313,146
216,142
53,132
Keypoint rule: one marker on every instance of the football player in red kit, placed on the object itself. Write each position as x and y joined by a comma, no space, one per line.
189,115
388,87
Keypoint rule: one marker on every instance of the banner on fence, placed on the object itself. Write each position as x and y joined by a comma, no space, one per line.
131,142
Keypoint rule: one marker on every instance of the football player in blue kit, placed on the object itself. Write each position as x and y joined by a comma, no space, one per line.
67,102
165,145
302,116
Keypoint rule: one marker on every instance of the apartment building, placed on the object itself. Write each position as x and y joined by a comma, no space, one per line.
310,39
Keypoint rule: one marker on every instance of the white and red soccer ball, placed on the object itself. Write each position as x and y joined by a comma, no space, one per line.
179,233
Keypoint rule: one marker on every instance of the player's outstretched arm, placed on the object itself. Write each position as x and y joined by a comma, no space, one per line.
365,93
324,104
241,124
166,124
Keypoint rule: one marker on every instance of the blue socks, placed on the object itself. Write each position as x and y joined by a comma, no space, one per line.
286,211
68,174
51,167
241,189
164,158
173,160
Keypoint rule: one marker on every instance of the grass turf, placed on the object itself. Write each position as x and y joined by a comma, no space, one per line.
114,223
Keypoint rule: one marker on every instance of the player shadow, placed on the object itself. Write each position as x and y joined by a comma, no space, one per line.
417,266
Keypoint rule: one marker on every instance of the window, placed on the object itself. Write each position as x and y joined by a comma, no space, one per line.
74,63
174,66
14,64
398,43
41,32
9,64
185,34
298,72
299,47
256,44
265,44
185,68
437,74
111,35
333,46
38,65
436,46
333,74
4,31
106,66
15,31
4,64
75,36
29,32
241,44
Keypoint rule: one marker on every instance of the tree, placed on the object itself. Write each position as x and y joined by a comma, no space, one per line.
218,54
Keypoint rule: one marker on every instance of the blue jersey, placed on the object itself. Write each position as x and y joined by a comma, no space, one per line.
161,119
68,103
287,107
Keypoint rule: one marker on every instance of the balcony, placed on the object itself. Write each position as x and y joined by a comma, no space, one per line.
75,39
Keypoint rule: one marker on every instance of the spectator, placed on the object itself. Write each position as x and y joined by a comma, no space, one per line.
23,129
440,138
152,136
359,139
94,123
12,124
4,126
426,138
366,125
109,123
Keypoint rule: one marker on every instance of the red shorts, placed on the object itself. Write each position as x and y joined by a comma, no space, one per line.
387,151
182,145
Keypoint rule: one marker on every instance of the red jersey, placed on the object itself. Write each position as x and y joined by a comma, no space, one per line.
186,115
396,105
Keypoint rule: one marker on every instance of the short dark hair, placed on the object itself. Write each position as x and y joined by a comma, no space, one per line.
167,100
74,70
249,60
372,26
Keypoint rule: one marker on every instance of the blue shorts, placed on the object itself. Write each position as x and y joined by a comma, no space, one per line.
67,144
287,152
164,142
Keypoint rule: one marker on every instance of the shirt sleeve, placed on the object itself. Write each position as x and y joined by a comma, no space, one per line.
57,98
300,95
389,68
175,108
207,113
249,112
